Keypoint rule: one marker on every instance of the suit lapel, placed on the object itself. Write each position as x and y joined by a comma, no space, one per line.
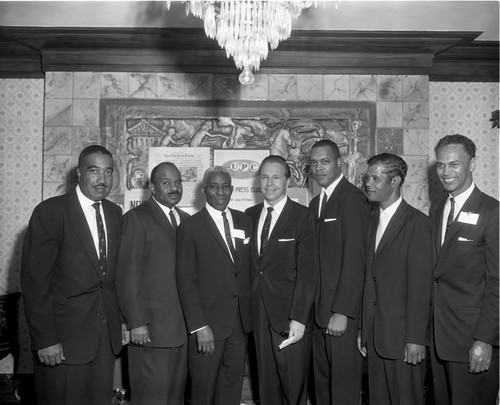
471,205
370,243
160,217
212,228
82,230
278,227
394,224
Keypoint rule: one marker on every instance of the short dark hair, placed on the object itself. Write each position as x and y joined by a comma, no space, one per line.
330,144
277,159
158,167
215,169
457,139
394,165
89,150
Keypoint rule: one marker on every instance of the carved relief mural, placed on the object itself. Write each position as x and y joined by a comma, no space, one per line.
288,129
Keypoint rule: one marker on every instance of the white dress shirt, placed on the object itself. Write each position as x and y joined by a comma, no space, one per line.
89,211
219,221
459,203
167,211
277,208
385,217
328,192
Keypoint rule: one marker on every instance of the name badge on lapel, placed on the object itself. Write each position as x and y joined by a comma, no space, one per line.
468,218
239,234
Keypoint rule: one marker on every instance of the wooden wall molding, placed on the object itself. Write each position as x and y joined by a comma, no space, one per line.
443,55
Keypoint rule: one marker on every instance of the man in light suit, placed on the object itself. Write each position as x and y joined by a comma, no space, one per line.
283,277
466,282
398,286
213,281
342,214
68,281
147,292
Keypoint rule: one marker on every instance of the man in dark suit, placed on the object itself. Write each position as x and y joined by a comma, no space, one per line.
68,282
213,281
398,286
342,214
147,292
283,277
465,300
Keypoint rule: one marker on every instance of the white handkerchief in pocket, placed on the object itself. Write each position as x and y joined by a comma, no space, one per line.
285,240
460,239
246,241
330,219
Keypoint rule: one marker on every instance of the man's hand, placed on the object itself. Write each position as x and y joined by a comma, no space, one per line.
52,355
205,339
362,349
479,357
337,325
296,331
140,336
125,335
414,353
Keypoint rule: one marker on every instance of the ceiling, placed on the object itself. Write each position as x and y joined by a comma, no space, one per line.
447,40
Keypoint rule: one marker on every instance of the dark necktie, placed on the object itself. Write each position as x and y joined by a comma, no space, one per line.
264,236
451,214
323,203
173,220
102,238
229,240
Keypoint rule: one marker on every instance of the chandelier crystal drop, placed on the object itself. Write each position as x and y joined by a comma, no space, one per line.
247,29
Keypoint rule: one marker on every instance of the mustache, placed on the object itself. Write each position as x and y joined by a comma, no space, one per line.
174,193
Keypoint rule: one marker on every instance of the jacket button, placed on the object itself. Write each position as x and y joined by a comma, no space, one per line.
436,280
375,303
260,272
98,313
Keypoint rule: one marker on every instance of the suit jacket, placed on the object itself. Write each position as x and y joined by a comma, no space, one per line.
213,288
466,278
341,245
147,289
398,282
285,276
61,279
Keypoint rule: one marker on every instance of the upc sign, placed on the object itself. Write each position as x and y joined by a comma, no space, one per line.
242,169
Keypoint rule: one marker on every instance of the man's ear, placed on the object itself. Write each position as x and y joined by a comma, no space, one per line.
396,181
78,174
472,164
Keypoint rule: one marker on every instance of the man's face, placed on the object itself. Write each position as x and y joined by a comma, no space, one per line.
95,176
273,182
167,186
454,168
218,190
378,185
325,167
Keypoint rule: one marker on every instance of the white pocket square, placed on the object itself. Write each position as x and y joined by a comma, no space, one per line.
246,241
285,240
460,239
330,219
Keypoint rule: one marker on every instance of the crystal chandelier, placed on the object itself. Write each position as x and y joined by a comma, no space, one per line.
247,29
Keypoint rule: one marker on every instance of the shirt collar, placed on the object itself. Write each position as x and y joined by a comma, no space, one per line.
462,198
164,208
331,187
85,202
278,207
216,214
391,209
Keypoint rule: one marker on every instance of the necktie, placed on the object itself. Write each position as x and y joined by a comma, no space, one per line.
451,215
102,238
172,219
323,203
227,231
264,236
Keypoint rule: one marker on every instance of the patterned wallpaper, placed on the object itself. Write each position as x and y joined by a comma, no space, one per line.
412,114
21,127
465,108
